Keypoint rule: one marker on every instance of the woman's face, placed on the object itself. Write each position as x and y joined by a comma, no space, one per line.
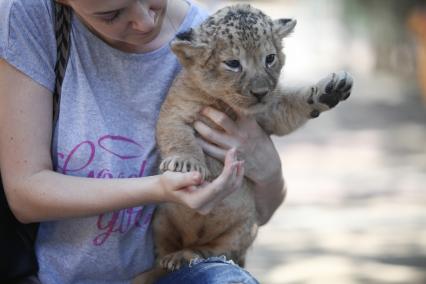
122,23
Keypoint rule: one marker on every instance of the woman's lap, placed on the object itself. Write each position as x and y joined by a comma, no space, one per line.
215,270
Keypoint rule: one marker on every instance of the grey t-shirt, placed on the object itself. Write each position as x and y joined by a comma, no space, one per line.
106,129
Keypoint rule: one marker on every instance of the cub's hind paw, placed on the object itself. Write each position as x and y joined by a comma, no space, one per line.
331,90
176,260
184,165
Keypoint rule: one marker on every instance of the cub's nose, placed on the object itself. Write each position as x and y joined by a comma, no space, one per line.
259,94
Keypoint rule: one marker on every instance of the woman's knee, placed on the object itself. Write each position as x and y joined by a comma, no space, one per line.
215,270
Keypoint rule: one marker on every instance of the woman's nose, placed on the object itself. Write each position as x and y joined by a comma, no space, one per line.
143,17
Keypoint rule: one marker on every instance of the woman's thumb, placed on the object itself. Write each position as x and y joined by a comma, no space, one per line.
188,179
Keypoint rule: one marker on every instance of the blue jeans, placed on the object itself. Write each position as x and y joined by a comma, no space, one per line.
214,270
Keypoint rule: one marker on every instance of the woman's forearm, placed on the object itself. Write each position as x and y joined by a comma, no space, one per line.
48,195
268,197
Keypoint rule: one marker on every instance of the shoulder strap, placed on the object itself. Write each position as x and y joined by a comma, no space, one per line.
63,16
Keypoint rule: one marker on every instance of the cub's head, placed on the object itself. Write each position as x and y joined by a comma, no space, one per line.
235,55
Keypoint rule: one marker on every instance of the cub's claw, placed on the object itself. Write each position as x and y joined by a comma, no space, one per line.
328,92
177,260
184,165
335,88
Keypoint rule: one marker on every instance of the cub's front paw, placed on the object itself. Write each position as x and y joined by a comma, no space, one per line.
184,165
328,92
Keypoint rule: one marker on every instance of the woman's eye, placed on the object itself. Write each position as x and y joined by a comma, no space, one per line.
233,65
270,60
111,17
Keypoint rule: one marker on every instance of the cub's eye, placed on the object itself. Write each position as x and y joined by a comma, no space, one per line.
270,60
233,65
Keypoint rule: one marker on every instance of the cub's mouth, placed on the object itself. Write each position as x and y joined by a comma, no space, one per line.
246,104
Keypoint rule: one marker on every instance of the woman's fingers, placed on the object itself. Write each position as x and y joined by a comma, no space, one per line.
204,196
212,150
214,136
230,163
233,183
220,119
229,180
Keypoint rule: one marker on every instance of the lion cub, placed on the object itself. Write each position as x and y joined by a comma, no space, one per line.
232,62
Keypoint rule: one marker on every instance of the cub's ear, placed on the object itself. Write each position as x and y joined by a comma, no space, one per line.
283,27
188,49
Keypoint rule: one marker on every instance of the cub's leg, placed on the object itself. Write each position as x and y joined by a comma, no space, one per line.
178,147
293,108
232,244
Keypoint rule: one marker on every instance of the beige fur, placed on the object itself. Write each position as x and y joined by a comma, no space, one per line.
234,33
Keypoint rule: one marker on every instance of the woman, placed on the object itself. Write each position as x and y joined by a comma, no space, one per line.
94,189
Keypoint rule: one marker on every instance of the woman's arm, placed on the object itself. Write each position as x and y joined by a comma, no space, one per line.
36,193
269,196
254,146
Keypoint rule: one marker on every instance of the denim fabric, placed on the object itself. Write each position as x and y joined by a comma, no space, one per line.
214,270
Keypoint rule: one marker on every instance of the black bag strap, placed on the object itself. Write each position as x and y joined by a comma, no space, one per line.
63,17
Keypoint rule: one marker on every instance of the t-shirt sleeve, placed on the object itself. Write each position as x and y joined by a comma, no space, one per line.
200,17
27,39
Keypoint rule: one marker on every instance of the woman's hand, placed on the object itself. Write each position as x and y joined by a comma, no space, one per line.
189,189
255,147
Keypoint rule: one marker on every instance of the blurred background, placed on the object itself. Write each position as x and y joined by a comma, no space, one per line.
356,206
